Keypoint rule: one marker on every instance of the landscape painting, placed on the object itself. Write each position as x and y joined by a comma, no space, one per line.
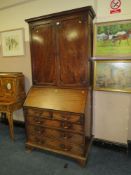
112,75
112,39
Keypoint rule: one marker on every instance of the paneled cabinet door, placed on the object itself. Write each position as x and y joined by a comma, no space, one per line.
73,52
7,87
43,54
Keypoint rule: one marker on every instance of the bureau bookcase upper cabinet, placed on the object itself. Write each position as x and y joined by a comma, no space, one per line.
61,48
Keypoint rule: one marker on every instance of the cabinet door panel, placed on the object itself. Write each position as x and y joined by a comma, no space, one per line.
7,88
43,57
73,53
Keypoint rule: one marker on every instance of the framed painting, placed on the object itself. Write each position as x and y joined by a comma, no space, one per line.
112,75
12,42
112,39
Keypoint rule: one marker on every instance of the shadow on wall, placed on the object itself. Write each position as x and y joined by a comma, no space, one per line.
129,121
28,84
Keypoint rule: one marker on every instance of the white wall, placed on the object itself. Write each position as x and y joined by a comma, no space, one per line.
103,11
112,110
111,116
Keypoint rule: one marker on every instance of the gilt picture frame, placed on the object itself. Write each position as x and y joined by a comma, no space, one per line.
112,75
112,39
12,42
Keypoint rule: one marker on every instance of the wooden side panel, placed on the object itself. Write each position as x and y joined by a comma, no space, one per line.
88,115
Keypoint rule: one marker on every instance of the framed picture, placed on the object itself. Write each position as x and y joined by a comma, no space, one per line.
112,75
12,42
112,39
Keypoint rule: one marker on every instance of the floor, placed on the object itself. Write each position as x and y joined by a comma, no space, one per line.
15,159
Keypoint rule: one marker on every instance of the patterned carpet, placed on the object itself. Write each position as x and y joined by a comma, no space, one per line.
16,160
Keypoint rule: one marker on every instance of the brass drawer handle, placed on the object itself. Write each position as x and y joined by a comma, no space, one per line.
64,118
81,120
66,136
38,121
57,23
65,147
66,125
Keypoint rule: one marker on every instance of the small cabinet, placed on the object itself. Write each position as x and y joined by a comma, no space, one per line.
12,95
11,86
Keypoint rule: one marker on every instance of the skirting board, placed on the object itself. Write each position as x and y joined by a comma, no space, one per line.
98,142
16,122
112,145
129,144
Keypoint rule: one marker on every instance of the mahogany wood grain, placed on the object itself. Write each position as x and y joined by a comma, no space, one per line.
74,138
73,56
43,55
71,100
58,107
61,48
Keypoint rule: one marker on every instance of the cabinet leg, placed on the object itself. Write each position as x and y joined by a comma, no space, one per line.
82,163
29,148
11,125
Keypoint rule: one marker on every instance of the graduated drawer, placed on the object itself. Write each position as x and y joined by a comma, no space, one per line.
57,145
65,125
74,118
38,113
63,116
55,134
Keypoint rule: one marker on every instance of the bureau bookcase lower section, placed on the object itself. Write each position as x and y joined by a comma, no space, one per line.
56,131
80,159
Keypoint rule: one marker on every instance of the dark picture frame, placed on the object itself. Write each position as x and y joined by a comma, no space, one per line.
112,75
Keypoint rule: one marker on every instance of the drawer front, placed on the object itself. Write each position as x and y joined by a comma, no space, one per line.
39,113
65,125
57,145
74,118
62,116
55,134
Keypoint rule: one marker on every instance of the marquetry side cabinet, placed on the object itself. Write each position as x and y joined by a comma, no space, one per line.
12,95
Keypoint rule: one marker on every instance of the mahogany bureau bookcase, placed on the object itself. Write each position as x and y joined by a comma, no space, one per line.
12,95
58,106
